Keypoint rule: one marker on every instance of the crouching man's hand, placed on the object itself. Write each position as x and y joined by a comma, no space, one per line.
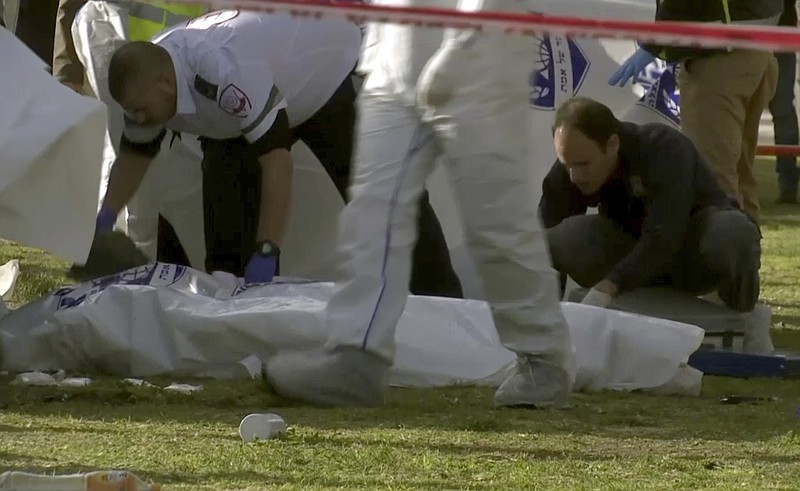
601,294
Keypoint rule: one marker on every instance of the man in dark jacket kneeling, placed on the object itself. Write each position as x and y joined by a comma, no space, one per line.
663,217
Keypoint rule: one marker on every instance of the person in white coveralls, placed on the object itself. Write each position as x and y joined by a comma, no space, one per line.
469,109
165,216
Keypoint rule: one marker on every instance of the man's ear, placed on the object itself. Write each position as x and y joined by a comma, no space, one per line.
612,147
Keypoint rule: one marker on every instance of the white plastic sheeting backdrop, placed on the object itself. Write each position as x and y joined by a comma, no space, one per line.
51,141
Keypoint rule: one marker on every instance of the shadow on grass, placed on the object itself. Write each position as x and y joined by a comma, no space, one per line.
463,410
280,476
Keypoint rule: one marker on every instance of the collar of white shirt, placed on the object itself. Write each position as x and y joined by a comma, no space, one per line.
185,103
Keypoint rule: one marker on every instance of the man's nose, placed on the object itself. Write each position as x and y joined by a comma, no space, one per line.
578,178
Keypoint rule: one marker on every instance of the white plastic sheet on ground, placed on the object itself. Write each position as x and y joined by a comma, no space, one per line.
51,142
170,320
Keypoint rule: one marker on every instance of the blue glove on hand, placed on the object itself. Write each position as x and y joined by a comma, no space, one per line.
260,269
632,67
105,220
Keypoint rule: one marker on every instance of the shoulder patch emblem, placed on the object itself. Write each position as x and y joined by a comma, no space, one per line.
234,101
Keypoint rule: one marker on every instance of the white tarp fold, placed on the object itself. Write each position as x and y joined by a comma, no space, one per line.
169,320
51,143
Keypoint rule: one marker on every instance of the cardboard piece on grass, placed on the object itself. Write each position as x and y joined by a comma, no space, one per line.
183,388
45,379
751,328
89,481
138,382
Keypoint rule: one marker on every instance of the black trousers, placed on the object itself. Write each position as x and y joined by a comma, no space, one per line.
721,251
36,24
232,188
168,246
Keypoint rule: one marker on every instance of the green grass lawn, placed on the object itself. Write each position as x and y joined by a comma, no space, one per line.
425,439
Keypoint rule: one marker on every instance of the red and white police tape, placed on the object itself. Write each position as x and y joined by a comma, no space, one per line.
697,34
779,150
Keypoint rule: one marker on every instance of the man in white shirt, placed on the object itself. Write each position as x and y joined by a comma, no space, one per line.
251,84
469,108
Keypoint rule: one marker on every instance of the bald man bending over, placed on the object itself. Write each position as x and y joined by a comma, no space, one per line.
251,84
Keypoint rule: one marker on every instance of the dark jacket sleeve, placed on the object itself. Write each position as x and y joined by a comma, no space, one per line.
685,11
66,66
668,180
560,198
789,15
707,11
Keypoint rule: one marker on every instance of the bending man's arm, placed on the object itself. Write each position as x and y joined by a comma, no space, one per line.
271,138
128,170
670,190
276,195
253,97
560,198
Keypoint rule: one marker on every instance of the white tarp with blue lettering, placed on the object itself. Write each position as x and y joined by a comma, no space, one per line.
169,320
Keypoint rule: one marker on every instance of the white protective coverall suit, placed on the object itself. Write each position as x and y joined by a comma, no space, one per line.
173,187
9,10
469,110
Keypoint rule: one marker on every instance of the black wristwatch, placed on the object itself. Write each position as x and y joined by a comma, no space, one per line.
268,248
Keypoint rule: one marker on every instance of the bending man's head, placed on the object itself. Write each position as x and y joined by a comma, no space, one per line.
141,78
586,138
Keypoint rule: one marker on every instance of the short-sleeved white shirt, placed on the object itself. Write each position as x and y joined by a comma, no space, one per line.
235,70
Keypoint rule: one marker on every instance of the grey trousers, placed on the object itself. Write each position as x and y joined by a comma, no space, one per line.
722,252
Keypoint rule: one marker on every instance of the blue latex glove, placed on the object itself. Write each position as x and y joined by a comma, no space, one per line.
260,269
105,220
632,67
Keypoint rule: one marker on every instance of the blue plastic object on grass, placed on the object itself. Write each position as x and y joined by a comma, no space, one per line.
733,364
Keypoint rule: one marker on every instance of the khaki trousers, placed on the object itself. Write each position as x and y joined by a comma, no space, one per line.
722,98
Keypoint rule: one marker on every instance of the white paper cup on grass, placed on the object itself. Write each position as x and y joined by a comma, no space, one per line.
261,427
